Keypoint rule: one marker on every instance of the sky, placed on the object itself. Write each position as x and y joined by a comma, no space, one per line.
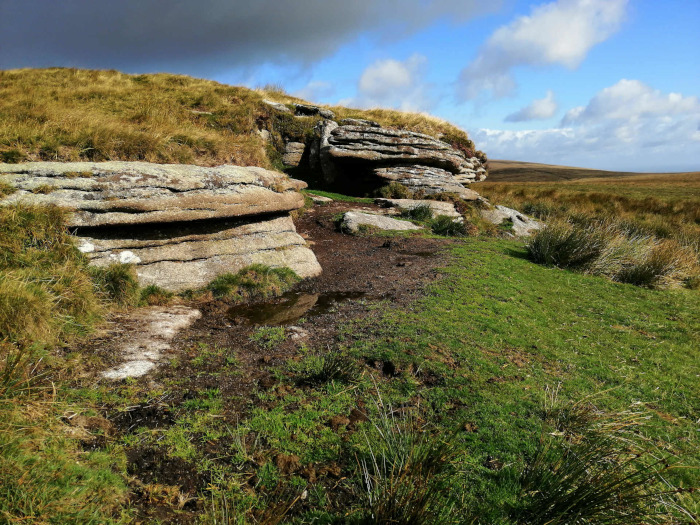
606,84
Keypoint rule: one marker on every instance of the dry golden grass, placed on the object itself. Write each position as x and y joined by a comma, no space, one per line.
663,210
68,114
71,114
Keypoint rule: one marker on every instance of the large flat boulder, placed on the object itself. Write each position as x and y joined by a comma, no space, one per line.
396,147
426,180
180,226
122,193
190,255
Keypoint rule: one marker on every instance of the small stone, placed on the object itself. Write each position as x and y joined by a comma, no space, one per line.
318,199
86,247
523,226
277,105
354,222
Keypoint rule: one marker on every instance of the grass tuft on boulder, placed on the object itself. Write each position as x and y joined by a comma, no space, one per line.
118,282
256,281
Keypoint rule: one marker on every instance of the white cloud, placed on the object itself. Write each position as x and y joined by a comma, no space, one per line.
315,90
628,126
561,33
539,109
395,84
630,100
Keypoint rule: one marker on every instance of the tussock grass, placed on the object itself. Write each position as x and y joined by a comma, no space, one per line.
606,248
252,282
407,474
422,212
118,282
324,367
665,207
596,467
153,295
46,293
47,298
447,226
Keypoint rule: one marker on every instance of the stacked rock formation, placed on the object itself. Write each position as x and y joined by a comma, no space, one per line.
362,153
180,225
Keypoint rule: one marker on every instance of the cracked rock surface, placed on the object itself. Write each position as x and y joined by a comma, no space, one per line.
121,193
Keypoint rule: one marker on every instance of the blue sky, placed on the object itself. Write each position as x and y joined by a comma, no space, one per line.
610,84
642,55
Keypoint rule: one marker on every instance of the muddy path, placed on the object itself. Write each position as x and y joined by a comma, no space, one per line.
359,274
238,352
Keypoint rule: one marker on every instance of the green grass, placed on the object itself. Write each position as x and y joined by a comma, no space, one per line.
501,330
339,197
464,379
254,281
46,478
268,336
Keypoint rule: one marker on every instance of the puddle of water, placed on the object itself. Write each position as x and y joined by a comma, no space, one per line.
290,307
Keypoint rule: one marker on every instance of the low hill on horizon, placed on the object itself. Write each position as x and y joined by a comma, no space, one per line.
518,171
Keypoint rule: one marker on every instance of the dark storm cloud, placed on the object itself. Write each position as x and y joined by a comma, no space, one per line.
196,36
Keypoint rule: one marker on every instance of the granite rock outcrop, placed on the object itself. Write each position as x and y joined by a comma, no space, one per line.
364,154
180,225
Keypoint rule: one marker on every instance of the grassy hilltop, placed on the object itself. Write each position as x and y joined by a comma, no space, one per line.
540,382
71,115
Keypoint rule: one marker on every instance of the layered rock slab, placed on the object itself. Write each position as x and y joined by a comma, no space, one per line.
123,193
182,256
426,180
181,226
358,149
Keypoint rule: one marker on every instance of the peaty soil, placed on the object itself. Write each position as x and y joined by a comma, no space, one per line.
221,352
360,273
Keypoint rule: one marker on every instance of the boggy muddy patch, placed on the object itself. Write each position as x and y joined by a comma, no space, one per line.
143,415
154,465
220,364
292,306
